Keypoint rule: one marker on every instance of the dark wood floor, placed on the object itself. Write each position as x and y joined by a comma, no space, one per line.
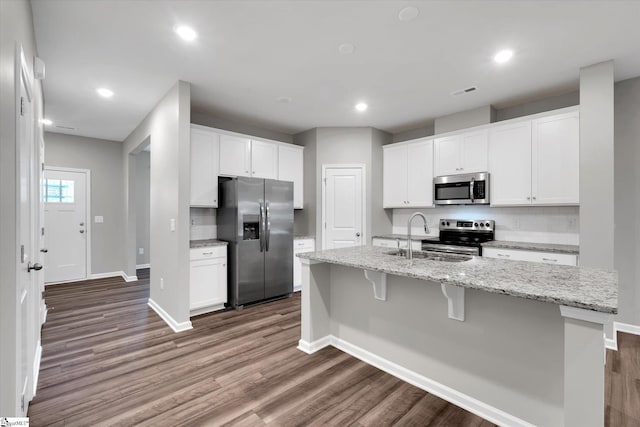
110,360
622,386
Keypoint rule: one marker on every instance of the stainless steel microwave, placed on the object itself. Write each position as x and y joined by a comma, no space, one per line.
467,189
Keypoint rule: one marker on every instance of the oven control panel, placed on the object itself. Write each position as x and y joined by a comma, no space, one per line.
467,224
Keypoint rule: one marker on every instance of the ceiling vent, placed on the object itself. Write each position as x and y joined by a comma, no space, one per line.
464,91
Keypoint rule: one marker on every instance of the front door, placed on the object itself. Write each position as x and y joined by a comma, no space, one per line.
65,216
344,210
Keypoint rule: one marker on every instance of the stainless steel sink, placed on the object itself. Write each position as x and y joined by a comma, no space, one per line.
431,256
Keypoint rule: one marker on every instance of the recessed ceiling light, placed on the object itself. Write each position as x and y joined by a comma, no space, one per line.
361,106
408,13
346,48
503,56
47,122
103,91
187,33
284,99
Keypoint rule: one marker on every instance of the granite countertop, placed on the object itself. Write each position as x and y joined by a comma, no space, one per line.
206,243
404,237
528,246
303,237
580,287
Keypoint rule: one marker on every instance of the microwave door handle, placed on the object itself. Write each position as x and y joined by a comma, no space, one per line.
471,188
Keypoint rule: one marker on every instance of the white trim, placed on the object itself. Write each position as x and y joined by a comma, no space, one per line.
36,366
584,315
173,324
205,310
108,274
312,347
464,401
104,275
627,328
363,167
139,266
128,278
89,223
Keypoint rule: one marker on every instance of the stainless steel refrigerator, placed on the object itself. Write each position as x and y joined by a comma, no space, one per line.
256,217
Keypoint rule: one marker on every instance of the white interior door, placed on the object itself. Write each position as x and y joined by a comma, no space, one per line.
65,209
344,207
25,346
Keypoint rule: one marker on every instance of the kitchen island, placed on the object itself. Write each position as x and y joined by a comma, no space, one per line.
517,343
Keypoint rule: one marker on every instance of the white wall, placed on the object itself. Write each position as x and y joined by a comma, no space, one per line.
104,159
167,128
464,119
521,224
627,198
203,224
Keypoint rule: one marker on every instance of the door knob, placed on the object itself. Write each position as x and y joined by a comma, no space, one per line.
81,231
82,224
358,234
44,250
35,266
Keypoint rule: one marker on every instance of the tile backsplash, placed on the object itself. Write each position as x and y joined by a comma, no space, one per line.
539,224
203,224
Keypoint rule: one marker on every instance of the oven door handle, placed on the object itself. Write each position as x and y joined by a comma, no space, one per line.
471,184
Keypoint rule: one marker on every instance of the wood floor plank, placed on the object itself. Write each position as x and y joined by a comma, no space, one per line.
108,359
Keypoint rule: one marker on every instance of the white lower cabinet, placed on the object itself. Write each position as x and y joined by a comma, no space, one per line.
532,256
300,246
208,283
416,245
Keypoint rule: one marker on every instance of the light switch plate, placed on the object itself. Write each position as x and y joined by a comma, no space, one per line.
99,219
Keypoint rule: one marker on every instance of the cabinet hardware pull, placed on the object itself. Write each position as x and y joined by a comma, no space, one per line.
550,259
504,255
207,253
528,198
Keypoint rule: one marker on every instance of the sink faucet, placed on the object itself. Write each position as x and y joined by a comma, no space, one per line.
426,230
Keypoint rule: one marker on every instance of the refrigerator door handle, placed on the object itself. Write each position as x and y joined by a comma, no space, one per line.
268,227
261,227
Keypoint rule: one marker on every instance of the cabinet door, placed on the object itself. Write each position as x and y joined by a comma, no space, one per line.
204,168
510,164
208,283
447,155
290,168
264,159
394,176
474,151
235,155
420,174
555,160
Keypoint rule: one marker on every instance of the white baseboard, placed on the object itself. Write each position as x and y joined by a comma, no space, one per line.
627,328
173,324
128,278
204,310
455,397
105,275
139,266
312,347
36,367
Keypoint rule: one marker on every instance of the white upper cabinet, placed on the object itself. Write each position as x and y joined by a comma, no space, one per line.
462,153
555,159
408,174
235,156
291,168
536,162
264,159
510,164
204,167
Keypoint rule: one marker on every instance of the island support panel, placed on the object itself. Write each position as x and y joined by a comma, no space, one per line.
506,361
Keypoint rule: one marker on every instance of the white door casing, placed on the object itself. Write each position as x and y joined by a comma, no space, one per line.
343,202
67,226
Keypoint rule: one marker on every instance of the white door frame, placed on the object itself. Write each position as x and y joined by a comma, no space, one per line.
87,173
361,166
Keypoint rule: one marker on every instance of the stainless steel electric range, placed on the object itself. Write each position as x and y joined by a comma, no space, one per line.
462,236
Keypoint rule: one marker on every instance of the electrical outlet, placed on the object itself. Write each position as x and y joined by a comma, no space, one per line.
162,283
99,219
140,251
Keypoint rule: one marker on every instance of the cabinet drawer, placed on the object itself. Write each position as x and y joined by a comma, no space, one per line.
532,256
304,244
208,252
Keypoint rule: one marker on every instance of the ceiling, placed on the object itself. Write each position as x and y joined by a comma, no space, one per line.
248,54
